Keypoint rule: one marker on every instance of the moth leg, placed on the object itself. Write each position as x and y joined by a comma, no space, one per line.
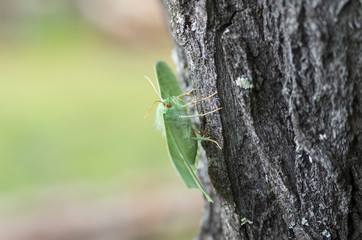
200,100
208,139
185,94
201,115
198,132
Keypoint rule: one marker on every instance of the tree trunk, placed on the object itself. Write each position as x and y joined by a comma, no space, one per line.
288,77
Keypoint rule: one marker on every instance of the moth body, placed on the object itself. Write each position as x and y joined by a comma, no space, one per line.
181,139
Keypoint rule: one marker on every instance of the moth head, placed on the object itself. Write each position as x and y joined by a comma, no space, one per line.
167,104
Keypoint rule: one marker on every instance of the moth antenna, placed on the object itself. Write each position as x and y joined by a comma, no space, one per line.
154,87
149,110
158,85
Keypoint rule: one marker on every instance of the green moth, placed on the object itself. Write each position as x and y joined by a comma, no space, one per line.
172,116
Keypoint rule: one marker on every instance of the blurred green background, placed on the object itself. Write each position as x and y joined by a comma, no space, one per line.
72,133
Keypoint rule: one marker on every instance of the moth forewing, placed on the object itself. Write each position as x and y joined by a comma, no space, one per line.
167,81
183,136
182,166
178,160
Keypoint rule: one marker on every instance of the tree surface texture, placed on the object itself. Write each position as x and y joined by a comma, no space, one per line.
288,77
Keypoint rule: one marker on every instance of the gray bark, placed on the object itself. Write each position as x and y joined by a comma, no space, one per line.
288,77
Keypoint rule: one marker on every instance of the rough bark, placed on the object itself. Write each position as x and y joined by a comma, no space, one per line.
288,77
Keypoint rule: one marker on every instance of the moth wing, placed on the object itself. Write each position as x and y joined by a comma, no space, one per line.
183,135
182,165
167,81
